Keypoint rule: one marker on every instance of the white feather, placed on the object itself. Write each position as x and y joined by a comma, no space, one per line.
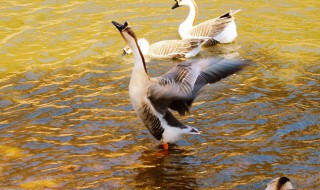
228,35
193,52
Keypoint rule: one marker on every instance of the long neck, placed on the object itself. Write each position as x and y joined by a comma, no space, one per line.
186,25
139,62
193,13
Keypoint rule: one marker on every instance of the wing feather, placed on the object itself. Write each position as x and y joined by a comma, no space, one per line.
213,27
180,85
174,48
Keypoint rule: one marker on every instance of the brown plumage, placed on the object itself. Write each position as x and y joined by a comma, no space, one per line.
170,49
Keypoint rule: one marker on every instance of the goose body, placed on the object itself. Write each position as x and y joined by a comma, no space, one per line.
222,29
280,183
153,99
169,49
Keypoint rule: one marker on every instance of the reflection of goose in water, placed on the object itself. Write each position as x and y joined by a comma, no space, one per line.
173,171
228,51
280,183
178,170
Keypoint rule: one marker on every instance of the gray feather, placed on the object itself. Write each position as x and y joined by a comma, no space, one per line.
213,27
174,48
180,85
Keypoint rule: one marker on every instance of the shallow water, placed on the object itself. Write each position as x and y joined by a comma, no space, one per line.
66,120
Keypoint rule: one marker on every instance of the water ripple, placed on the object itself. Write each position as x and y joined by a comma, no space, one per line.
64,99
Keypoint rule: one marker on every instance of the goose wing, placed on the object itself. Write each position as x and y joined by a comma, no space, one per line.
180,85
174,48
213,27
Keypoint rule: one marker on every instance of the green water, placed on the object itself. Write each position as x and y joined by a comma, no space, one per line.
64,98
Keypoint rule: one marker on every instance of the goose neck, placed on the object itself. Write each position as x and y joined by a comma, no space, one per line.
189,22
139,62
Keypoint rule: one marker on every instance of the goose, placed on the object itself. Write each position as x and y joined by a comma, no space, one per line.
171,49
280,183
154,99
220,30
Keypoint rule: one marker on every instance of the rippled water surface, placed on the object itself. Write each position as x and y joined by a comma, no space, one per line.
66,121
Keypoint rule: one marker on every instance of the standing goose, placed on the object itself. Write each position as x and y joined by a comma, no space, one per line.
220,30
154,98
280,183
169,49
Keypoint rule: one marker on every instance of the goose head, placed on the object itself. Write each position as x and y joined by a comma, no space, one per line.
280,183
131,39
180,3
143,44
127,34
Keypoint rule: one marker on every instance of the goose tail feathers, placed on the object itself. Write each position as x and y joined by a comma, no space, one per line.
232,12
193,131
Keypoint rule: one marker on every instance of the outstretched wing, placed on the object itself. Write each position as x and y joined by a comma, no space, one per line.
180,85
213,27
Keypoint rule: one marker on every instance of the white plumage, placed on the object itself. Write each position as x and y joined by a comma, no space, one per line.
222,29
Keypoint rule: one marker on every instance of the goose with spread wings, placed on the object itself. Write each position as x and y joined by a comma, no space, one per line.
154,99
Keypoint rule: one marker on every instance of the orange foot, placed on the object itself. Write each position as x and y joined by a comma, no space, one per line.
166,146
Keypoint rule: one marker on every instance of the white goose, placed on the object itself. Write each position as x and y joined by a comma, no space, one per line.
169,49
280,183
222,29
153,98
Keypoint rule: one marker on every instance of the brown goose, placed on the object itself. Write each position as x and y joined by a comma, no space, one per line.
154,99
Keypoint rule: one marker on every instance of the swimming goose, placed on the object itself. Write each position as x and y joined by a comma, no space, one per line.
154,98
171,49
280,183
220,30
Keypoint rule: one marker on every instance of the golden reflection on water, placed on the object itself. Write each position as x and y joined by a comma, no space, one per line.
64,98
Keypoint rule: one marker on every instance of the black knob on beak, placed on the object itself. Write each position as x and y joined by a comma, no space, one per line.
175,5
120,27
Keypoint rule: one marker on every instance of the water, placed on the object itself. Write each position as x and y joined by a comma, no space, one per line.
66,120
